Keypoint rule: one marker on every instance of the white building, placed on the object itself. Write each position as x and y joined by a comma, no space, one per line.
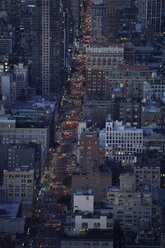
85,217
122,143
104,57
83,223
83,201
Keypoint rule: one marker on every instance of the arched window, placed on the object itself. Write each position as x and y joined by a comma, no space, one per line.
89,61
114,61
99,61
104,61
109,61
94,61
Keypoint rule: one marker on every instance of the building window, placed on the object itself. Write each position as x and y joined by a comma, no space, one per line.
109,61
97,225
84,225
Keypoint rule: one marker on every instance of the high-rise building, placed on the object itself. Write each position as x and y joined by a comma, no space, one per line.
10,133
20,185
5,46
12,7
131,208
86,181
8,87
47,47
151,14
21,80
104,57
98,14
147,175
75,7
99,60
89,149
127,81
122,143
99,219
68,28
111,16
15,155
127,110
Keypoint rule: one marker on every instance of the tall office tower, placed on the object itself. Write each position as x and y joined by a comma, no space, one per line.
12,7
98,17
68,31
47,47
75,7
30,2
112,7
10,26
21,80
150,14
111,21
163,16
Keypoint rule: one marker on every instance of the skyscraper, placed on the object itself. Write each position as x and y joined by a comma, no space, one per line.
98,14
47,47
75,7
68,30
151,14
12,7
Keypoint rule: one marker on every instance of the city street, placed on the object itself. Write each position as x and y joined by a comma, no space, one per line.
61,164
62,158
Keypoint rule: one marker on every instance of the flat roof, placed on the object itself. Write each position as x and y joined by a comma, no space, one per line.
9,208
133,67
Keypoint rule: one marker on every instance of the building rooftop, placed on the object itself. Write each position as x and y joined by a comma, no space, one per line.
112,48
98,213
9,208
113,189
158,196
133,67
84,192
91,238
144,48
155,137
23,169
118,126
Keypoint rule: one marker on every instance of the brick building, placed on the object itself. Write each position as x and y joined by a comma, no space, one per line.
89,149
96,179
